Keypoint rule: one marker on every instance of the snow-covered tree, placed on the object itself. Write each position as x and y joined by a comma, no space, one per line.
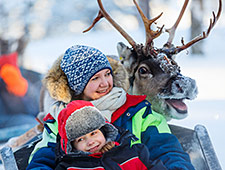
197,13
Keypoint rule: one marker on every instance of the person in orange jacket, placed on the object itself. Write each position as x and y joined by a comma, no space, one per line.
15,83
19,98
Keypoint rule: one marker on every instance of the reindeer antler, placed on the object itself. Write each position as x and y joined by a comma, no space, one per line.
172,30
103,13
204,34
94,22
150,34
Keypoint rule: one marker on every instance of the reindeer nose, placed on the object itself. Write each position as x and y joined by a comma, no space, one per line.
179,89
184,86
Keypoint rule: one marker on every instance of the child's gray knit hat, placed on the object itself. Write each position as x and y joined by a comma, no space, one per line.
80,63
79,118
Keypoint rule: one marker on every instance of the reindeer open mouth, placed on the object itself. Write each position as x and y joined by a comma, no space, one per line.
178,105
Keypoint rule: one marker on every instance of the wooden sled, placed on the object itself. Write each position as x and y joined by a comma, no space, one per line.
195,142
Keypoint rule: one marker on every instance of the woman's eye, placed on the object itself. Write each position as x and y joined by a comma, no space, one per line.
94,78
108,74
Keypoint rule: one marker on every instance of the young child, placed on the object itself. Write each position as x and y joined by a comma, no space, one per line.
87,141
84,73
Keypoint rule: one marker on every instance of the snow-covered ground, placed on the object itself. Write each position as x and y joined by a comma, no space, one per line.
208,71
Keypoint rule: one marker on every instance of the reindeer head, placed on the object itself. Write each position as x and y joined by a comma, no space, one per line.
153,71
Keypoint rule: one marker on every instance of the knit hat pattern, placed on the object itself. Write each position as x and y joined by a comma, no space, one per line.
83,121
80,118
80,63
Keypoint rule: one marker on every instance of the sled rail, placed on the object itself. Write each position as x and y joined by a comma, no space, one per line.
207,148
198,145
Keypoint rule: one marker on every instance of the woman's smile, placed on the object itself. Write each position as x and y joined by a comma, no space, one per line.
103,92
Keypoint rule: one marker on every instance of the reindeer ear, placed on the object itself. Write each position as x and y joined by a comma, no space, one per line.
126,57
56,83
124,52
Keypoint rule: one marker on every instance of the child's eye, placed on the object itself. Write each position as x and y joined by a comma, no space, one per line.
79,140
93,133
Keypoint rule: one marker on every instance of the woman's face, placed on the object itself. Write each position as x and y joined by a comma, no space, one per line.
99,85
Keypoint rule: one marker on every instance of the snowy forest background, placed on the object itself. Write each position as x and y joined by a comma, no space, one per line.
48,27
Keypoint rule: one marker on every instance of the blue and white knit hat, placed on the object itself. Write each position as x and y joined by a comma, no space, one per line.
80,63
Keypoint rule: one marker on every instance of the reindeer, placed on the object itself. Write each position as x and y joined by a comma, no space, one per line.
153,71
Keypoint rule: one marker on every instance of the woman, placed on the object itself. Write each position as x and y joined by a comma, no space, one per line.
85,73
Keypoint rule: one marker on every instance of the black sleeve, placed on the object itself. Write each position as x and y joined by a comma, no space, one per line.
144,156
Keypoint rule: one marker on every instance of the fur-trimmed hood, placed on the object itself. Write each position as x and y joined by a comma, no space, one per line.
55,81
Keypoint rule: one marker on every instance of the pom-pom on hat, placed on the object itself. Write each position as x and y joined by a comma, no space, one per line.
80,63
79,118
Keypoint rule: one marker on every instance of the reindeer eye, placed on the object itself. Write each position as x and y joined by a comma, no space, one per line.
143,70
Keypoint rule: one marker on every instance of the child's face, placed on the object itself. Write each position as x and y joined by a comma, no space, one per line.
91,142
99,85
